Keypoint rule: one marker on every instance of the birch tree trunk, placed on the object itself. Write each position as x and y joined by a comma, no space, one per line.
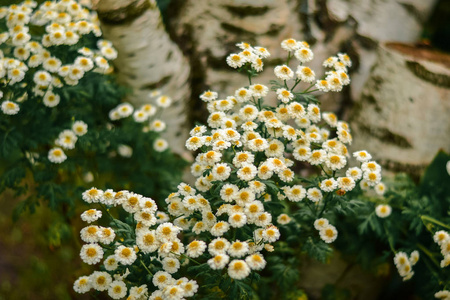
403,115
148,59
208,30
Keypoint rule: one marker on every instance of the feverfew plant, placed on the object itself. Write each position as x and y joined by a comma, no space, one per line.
409,226
248,194
149,251
248,163
62,121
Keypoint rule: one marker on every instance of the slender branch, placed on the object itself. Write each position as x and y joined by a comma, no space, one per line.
145,267
433,220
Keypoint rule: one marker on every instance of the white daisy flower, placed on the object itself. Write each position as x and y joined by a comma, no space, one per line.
117,289
195,248
238,269
283,72
125,255
219,261
354,173
170,264
91,253
304,55
314,194
271,234
328,234
56,155
283,219
346,183
160,145
10,108
91,215
235,60
328,185
305,74
82,285
383,210
79,128
290,45
100,280
321,223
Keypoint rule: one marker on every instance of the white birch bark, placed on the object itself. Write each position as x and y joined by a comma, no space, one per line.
148,59
356,26
403,116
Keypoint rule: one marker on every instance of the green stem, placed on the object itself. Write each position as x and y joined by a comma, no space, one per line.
428,253
288,59
145,267
305,91
325,203
296,82
389,239
433,220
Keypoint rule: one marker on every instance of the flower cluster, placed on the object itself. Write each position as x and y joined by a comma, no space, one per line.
246,178
45,62
66,139
442,238
248,144
404,263
153,243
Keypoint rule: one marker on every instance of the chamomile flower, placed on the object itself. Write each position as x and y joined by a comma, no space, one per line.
354,173
247,172
290,45
321,223
372,178
328,233
100,280
284,95
314,194
283,219
441,236
117,289
259,90
305,74
157,125
328,185
317,157
82,285
371,166
79,128
219,228
383,210
235,60
10,108
67,139
238,269
335,161
170,264
346,183
256,261
237,220
248,113
160,145
125,255
91,215
219,261
283,72
195,248
380,188
304,55
91,253
56,155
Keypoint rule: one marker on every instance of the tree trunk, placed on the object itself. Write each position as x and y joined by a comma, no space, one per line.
148,59
208,30
403,115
